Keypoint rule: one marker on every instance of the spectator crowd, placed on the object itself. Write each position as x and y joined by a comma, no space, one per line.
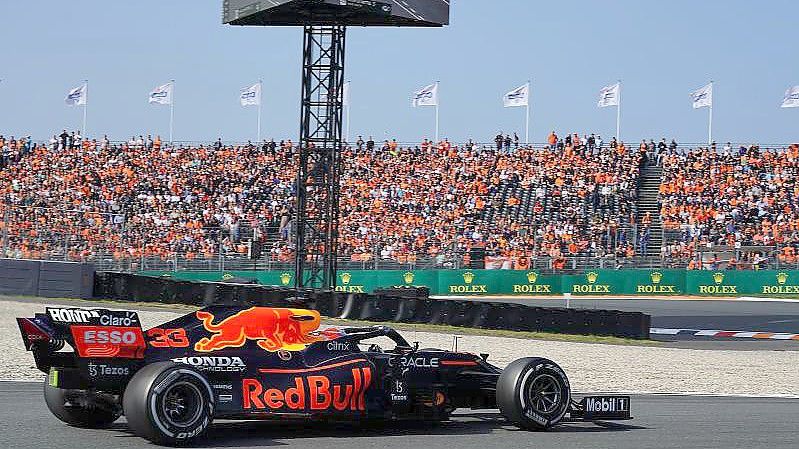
731,199
82,199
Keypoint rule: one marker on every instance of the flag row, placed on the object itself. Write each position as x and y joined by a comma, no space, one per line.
428,96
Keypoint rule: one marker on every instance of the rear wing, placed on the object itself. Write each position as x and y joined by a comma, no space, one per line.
93,333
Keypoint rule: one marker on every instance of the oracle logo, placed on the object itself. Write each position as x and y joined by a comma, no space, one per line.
309,393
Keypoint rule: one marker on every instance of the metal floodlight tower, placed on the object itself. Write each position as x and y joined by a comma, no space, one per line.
324,23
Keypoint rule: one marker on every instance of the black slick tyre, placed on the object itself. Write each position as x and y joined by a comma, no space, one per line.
169,404
533,393
74,408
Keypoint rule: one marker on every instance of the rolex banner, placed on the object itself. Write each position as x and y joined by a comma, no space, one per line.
593,283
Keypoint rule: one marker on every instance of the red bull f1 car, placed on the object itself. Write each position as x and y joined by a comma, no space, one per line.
225,362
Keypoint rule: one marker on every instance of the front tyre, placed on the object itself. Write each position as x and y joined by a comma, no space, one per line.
533,393
169,403
78,409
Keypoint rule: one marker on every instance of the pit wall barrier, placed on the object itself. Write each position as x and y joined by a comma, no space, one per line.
531,283
387,306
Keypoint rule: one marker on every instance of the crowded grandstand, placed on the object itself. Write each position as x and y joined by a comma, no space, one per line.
570,203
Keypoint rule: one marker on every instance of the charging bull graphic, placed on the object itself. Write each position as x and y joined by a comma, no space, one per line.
272,329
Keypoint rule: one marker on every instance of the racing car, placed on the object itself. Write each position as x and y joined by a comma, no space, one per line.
234,362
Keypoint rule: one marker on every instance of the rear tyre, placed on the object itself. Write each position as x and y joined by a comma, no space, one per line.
75,408
169,403
533,393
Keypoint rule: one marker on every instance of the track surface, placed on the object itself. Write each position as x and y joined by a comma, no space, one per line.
661,422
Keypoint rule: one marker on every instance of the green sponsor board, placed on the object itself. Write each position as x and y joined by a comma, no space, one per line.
496,282
367,281
626,282
531,283
282,278
737,283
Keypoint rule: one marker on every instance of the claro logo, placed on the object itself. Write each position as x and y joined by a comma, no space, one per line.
309,393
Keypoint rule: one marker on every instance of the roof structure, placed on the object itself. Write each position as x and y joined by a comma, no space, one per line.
400,13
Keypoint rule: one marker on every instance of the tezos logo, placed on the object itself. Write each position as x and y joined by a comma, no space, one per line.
214,364
106,370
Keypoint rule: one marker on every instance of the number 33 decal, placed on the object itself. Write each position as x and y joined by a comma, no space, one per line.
168,338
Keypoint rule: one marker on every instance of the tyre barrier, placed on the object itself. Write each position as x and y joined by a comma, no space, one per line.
404,292
488,315
389,306
130,287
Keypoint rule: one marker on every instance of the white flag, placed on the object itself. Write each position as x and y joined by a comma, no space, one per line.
609,96
162,94
78,96
345,94
251,96
703,97
427,96
517,97
791,99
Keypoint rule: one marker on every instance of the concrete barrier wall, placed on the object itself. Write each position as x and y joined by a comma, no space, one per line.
46,278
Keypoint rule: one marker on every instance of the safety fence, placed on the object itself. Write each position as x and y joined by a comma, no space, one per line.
531,283
381,307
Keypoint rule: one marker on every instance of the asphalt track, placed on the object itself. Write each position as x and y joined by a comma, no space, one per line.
660,422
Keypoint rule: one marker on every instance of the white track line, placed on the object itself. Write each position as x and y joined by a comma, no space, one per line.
726,334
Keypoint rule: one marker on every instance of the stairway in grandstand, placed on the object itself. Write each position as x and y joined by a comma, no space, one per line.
648,202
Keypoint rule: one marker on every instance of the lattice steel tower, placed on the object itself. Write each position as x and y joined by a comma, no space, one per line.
317,185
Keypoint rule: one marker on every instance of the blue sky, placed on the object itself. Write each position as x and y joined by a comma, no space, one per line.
661,50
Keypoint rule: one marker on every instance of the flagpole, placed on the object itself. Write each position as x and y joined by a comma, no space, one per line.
618,116
710,118
348,111
437,101
85,106
171,110
260,101
527,118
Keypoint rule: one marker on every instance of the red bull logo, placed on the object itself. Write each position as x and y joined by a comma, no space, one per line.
271,328
310,393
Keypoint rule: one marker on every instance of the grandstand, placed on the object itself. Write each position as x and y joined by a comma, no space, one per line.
562,206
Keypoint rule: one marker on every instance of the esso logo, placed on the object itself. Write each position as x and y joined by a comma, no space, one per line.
112,336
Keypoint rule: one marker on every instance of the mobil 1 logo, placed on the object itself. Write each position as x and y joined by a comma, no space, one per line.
606,407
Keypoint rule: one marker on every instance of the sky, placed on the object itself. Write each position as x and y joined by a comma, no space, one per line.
661,50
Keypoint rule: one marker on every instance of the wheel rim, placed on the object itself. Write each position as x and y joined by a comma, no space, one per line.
182,404
544,394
